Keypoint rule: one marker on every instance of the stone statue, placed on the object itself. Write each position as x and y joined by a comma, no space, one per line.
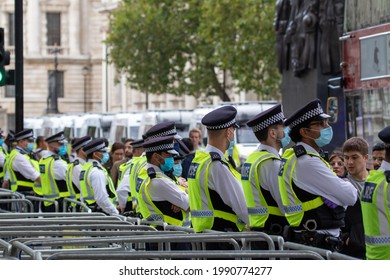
331,14
305,27
280,25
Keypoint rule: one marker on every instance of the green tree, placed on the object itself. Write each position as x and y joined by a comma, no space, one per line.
184,46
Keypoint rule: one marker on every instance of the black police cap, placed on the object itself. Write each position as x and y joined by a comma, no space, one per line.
58,137
267,118
96,145
220,118
310,111
24,134
384,135
162,129
137,143
79,143
163,143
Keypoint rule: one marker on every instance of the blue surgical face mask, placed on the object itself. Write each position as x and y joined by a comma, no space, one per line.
1,142
105,158
168,164
62,150
177,170
326,136
30,147
286,139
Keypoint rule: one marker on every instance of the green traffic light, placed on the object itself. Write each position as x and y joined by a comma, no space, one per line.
1,76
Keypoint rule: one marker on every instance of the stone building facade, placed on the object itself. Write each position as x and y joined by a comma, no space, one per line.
71,32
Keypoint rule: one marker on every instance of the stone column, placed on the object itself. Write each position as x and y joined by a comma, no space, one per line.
33,27
74,27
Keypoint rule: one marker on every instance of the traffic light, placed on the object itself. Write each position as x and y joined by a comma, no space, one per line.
6,77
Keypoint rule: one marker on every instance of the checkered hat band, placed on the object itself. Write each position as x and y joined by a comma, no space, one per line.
79,146
25,136
96,148
222,126
162,147
164,133
57,139
307,116
270,121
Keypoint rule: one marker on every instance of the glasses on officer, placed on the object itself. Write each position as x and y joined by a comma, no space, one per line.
322,123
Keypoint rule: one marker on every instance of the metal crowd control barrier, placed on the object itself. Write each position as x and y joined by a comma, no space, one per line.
68,201
17,204
185,255
83,235
11,201
162,237
42,199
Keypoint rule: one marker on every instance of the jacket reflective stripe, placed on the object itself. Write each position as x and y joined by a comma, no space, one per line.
15,183
376,215
69,181
151,212
293,207
123,169
138,163
49,185
86,188
200,200
258,209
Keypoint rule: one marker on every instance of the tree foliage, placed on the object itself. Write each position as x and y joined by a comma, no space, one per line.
184,46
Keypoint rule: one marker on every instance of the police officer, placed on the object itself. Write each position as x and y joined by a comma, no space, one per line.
123,190
375,204
259,174
217,202
313,196
23,171
160,199
74,168
138,171
7,147
53,171
97,188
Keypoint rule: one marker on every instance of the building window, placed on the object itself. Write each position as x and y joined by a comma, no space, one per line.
53,29
52,83
11,29
10,91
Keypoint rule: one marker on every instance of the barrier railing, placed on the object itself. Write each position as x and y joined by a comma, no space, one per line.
83,235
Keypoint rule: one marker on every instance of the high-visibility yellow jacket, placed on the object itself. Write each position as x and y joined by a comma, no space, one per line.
376,215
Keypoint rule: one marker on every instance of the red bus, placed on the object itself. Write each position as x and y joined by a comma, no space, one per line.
359,101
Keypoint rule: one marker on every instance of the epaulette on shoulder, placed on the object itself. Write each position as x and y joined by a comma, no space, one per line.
95,164
299,151
387,174
76,162
215,156
56,157
151,173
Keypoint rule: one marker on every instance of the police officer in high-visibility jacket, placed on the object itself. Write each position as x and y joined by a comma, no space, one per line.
3,154
259,174
8,145
74,168
97,188
375,203
160,198
123,190
217,199
23,171
138,172
53,172
313,197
